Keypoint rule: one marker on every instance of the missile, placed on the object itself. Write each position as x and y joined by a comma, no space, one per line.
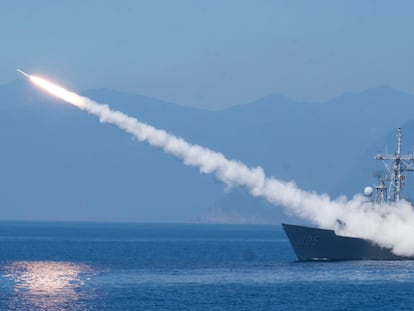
23,73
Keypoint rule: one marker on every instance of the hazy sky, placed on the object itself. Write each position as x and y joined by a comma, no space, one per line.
212,53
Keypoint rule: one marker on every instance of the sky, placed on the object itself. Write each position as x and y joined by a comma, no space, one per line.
212,54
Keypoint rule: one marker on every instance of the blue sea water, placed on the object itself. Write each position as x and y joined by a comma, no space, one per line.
98,266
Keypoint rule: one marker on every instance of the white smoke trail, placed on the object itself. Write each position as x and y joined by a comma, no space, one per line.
388,226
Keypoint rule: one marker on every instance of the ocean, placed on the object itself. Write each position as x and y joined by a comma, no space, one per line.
106,266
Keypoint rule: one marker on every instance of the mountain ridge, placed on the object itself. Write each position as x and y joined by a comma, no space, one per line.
92,169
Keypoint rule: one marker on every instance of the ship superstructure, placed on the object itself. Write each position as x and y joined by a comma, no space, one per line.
311,244
397,165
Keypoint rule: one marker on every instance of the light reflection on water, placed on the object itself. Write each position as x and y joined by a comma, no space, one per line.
46,285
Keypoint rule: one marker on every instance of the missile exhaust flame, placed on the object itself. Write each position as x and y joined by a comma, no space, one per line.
388,226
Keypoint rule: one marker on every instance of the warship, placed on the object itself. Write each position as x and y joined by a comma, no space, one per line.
313,244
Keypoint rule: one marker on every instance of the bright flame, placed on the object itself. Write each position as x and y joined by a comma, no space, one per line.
58,91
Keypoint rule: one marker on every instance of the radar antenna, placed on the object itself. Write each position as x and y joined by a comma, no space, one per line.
396,164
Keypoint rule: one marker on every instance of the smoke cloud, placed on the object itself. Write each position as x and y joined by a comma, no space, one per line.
389,225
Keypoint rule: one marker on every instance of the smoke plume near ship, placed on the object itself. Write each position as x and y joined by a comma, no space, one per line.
390,226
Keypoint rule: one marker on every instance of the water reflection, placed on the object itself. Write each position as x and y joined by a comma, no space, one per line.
46,285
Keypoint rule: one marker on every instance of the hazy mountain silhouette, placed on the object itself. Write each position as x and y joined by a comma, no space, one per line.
60,163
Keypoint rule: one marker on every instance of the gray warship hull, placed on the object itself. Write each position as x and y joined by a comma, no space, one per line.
312,244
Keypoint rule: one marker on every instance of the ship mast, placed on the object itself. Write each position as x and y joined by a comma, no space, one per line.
396,164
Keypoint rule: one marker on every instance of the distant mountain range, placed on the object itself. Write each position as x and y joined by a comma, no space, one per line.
58,163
